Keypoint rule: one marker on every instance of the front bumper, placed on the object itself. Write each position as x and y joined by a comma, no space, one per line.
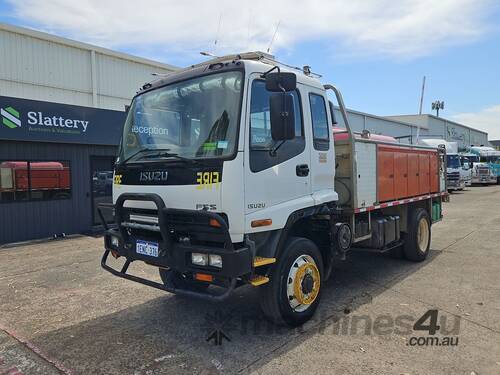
484,179
178,233
455,184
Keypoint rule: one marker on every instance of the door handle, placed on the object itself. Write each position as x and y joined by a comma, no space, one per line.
302,170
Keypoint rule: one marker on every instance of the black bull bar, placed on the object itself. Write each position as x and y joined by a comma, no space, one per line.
238,261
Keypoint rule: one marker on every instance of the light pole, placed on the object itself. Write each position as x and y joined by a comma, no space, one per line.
437,105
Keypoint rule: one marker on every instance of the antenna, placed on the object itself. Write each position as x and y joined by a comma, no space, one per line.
422,96
420,110
274,36
218,31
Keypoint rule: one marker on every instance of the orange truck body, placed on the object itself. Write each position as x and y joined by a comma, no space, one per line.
44,176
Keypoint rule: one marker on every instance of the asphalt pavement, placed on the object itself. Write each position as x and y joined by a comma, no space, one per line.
61,313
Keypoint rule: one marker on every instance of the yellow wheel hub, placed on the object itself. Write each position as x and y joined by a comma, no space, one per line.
304,283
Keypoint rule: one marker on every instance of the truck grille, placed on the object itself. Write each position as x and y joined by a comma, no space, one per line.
483,171
453,176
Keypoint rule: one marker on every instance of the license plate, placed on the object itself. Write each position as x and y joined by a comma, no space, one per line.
147,248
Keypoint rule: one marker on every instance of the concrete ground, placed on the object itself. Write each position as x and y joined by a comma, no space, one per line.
61,313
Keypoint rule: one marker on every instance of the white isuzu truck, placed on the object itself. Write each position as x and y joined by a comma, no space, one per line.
230,174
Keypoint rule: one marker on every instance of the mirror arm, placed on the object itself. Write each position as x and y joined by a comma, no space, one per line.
263,75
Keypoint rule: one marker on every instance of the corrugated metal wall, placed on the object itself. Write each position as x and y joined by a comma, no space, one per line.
22,221
377,125
45,70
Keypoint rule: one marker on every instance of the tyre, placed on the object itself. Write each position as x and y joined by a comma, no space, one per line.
294,290
417,240
180,281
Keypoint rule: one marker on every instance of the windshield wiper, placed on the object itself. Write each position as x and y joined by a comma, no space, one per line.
143,150
166,154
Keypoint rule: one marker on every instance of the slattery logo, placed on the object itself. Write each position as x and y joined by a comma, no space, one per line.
10,117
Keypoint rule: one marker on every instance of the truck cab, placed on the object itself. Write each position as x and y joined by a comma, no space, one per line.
486,166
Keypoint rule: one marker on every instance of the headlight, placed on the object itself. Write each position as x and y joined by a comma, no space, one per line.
199,259
115,242
215,260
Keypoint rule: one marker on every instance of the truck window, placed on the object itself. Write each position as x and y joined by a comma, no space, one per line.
319,122
260,131
34,180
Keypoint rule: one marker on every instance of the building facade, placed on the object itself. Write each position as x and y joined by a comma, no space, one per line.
62,110
406,128
437,127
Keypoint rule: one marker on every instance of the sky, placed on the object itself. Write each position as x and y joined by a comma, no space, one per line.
375,51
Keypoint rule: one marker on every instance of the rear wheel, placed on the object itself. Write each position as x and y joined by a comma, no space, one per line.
293,293
418,239
180,281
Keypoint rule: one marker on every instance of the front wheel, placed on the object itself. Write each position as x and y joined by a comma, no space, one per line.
293,293
418,239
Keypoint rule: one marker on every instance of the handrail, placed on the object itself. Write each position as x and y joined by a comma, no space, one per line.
352,140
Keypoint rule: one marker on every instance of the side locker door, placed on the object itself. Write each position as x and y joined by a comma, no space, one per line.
423,169
385,168
434,172
322,153
274,178
400,175
413,174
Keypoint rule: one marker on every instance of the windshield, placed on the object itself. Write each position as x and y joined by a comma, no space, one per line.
453,161
196,118
490,159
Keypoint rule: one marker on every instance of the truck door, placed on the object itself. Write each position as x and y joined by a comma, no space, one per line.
275,172
322,155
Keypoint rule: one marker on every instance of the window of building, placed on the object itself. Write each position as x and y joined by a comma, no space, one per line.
261,141
23,180
319,122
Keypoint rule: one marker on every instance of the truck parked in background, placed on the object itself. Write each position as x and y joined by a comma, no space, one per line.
230,174
467,167
21,180
486,166
455,174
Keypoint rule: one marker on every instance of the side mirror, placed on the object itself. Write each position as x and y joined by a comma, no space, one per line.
282,116
281,81
332,113
466,167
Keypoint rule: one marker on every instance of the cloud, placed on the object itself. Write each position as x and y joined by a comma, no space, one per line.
403,29
487,119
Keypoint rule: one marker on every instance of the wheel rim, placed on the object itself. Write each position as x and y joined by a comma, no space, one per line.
423,235
303,283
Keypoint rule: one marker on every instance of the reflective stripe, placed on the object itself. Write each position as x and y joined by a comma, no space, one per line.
396,203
